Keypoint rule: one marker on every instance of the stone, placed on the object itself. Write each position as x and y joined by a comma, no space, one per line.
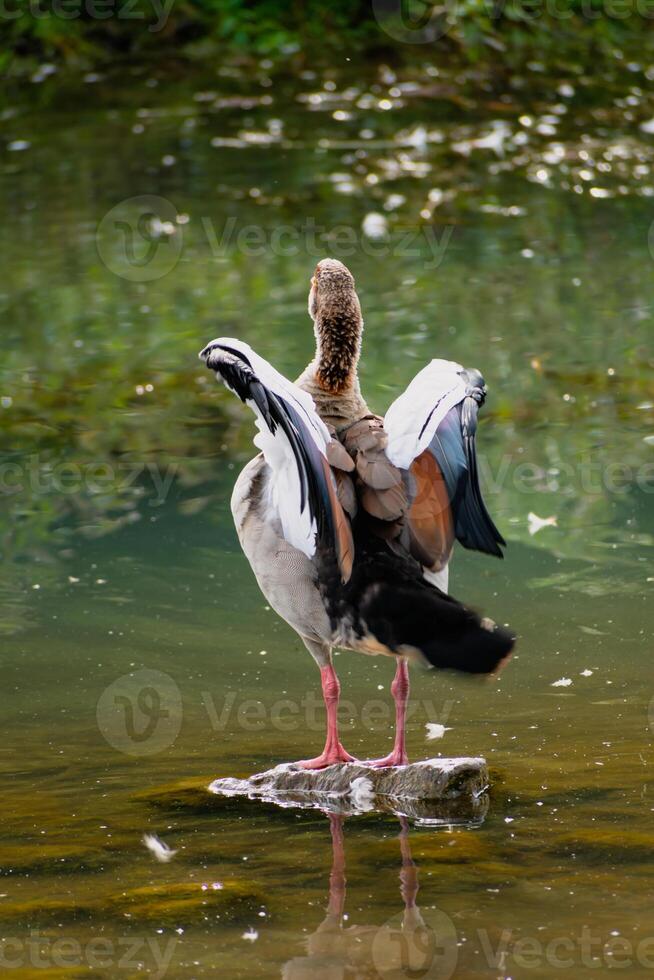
190,795
188,902
431,792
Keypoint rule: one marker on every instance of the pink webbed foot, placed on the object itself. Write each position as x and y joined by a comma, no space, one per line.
333,753
329,757
394,759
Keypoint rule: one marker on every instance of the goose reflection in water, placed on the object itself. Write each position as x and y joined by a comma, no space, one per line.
404,946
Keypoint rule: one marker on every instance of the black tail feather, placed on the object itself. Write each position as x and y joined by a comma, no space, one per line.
443,631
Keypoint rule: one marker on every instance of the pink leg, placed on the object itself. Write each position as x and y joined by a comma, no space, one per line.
337,877
400,692
409,872
333,921
333,752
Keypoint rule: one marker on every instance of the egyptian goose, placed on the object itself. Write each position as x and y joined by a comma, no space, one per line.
348,520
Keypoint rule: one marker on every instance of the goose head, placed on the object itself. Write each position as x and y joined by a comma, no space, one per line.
336,313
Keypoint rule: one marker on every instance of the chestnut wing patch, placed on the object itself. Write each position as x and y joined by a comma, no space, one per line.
430,517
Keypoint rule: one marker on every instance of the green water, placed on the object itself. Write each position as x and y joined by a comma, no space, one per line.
119,555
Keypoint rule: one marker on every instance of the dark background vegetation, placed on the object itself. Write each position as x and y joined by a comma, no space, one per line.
499,34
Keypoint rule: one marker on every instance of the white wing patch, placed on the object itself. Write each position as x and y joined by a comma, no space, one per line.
440,579
432,393
277,383
284,493
284,488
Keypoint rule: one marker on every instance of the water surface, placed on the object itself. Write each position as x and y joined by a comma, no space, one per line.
119,556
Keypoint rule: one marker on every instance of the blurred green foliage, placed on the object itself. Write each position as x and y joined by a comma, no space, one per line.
501,33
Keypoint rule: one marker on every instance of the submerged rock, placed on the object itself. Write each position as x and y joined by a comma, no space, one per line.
52,858
605,845
186,903
41,910
168,904
190,795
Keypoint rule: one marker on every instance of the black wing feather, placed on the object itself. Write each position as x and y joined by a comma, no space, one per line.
454,447
235,369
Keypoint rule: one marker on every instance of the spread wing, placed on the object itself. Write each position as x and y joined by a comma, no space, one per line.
294,441
431,431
